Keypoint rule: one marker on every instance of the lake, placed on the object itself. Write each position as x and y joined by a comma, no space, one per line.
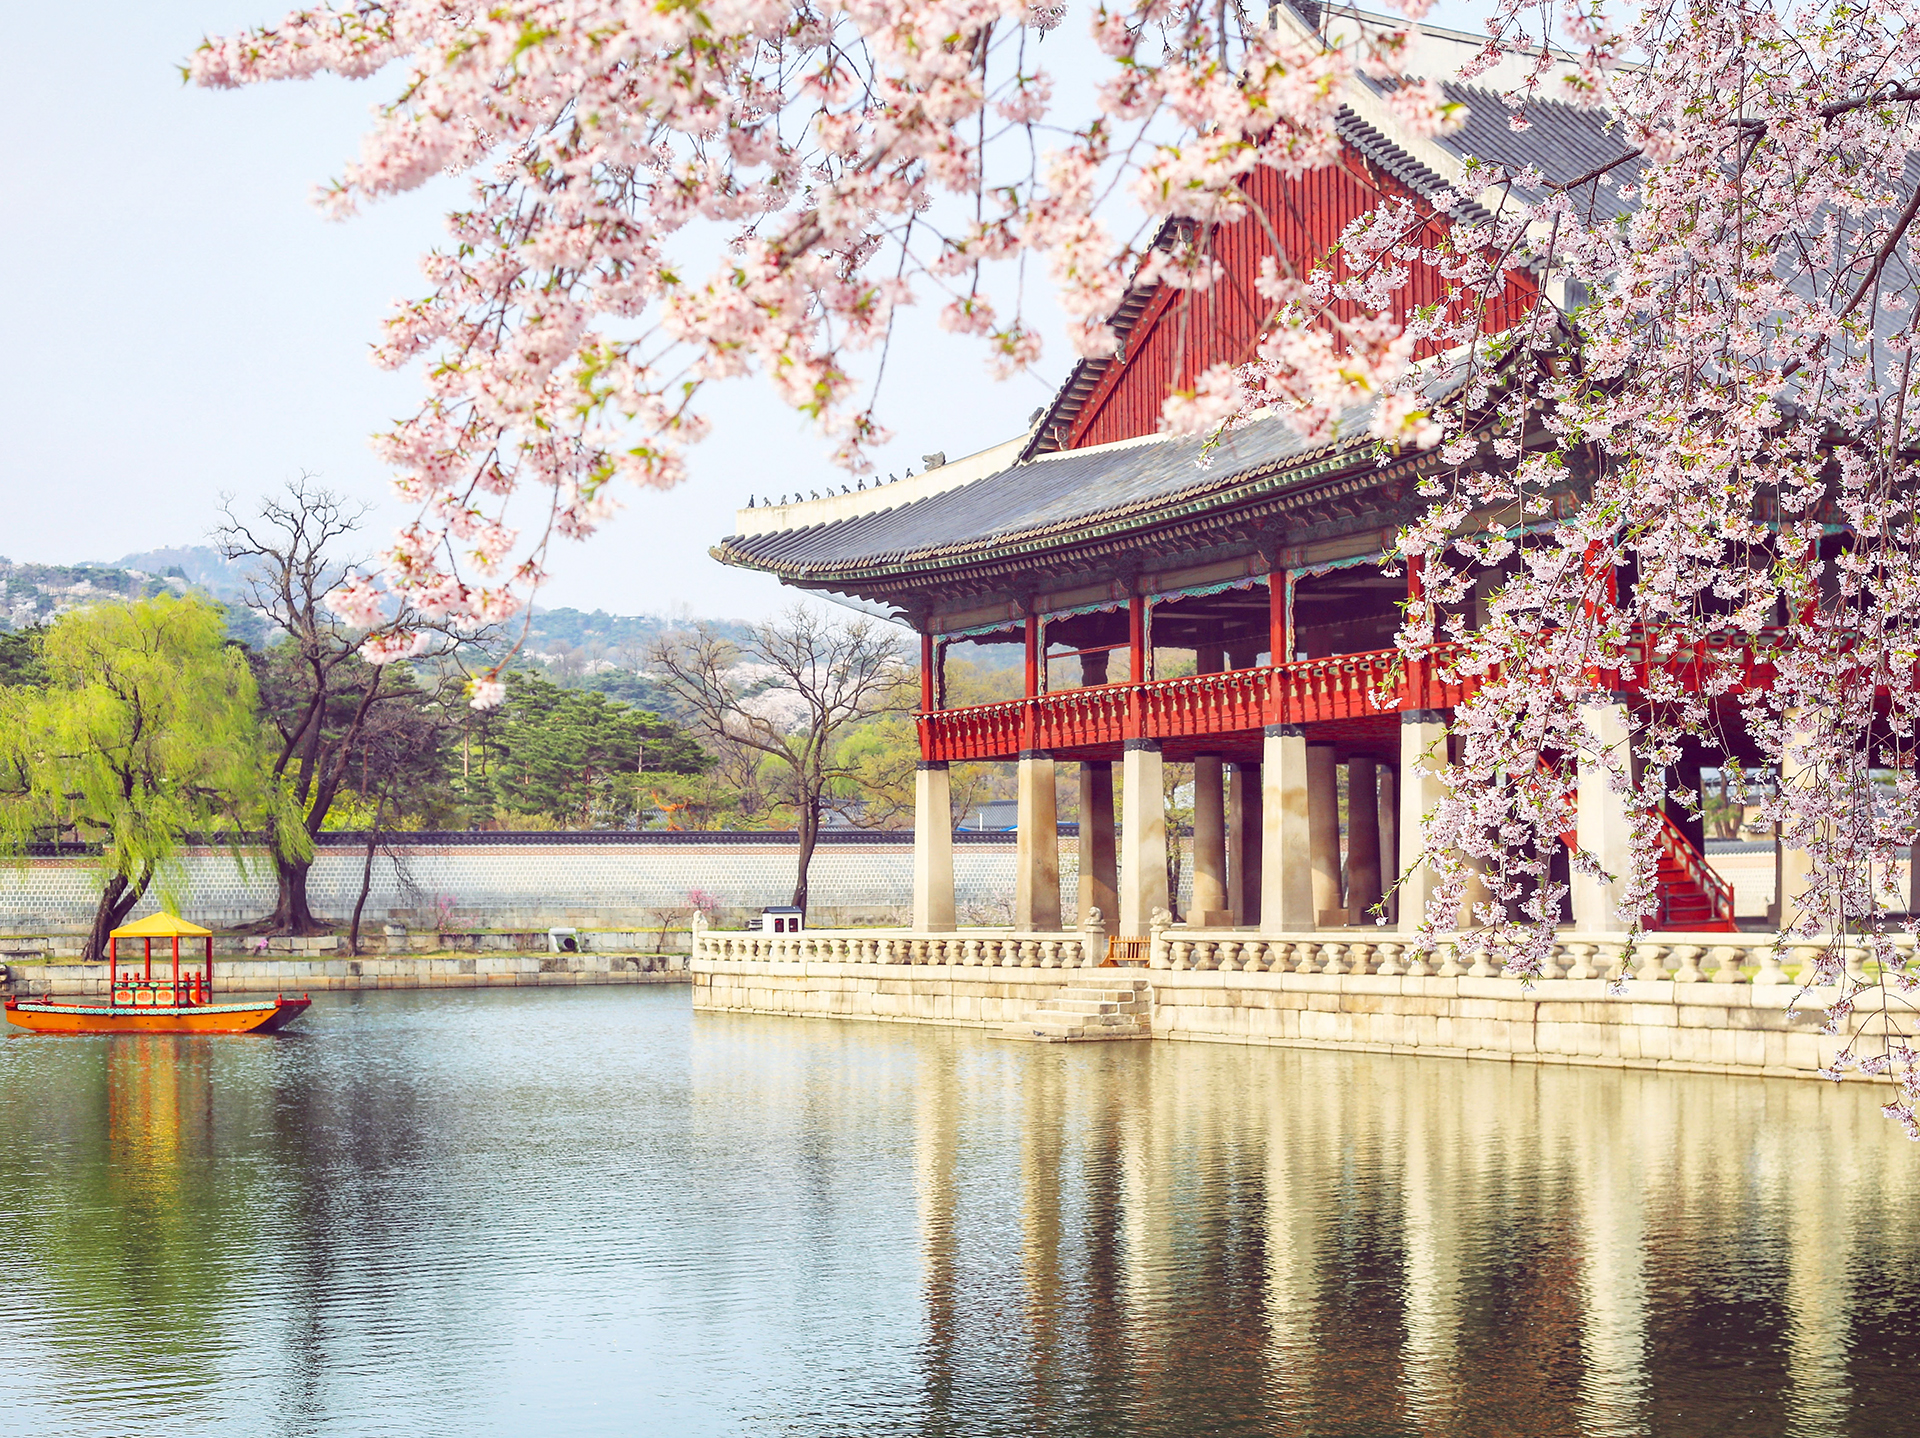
593,1211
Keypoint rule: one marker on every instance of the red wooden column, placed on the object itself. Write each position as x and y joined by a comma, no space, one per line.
1279,641
1413,680
1136,666
925,722
1030,719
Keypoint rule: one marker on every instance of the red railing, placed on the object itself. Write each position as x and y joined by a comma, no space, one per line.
1205,704
1678,850
1310,691
1348,686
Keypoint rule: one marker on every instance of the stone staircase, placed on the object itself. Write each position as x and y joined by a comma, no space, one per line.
1086,1013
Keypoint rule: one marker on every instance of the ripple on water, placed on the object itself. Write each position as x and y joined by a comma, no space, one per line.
592,1211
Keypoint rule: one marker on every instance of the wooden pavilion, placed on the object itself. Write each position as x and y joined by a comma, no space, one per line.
1226,610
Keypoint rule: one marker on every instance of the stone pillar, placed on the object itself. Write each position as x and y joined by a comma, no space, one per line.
1388,809
1286,859
1323,828
1210,909
1143,837
1243,843
1099,878
1793,894
1423,753
1363,841
1036,879
932,849
1602,828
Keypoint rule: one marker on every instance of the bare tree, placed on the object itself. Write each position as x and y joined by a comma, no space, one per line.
788,692
316,687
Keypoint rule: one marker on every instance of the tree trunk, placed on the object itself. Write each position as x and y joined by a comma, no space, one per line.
290,912
809,834
117,899
366,875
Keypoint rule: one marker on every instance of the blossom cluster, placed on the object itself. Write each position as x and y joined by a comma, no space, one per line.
830,163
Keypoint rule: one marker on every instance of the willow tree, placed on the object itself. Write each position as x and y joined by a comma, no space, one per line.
140,737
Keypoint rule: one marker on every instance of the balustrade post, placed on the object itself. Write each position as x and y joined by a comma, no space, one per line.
1389,966
1581,967
1550,964
1653,962
1305,957
1482,966
1689,959
1330,955
1727,960
1226,955
1180,949
1450,965
1770,970
1050,954
1359,958
1812,973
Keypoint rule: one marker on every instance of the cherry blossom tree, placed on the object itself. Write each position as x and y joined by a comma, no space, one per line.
1708,396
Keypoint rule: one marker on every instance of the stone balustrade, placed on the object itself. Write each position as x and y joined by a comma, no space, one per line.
1756,958
981,948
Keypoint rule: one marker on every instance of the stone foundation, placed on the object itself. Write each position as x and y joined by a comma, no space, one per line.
1652,1024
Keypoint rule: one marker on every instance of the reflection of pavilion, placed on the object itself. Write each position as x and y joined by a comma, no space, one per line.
1307,1243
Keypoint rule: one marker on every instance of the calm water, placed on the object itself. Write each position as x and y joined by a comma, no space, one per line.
592,1211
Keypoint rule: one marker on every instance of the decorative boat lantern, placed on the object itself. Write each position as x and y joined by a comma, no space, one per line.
140,1002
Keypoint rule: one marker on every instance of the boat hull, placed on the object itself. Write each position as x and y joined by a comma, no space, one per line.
51,1016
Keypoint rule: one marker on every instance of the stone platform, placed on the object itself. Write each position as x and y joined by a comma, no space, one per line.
1695,1027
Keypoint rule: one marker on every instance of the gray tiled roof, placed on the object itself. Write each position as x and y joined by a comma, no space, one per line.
1043,501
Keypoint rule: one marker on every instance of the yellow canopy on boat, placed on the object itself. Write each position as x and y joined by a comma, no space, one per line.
159,926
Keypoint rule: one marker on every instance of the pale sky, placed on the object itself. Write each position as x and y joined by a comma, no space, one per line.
186,323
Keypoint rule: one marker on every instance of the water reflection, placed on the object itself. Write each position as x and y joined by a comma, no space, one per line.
595,1212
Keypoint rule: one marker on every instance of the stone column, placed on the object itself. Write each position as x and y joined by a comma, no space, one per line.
1602,828
932,848
1423,753
1363,841
1099,878
1243,843
1323,827
1388,809
1793,893
1209,847
1036,879
1143,837
1286,881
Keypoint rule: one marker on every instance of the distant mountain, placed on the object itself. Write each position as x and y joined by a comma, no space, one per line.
201,565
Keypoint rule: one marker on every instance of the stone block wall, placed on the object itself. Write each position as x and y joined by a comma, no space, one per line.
1654,1024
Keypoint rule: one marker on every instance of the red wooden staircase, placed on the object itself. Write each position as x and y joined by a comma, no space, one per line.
1692,897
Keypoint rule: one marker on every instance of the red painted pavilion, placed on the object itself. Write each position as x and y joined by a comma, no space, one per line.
1230,613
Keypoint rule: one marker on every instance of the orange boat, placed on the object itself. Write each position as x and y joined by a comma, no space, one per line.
139,1003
